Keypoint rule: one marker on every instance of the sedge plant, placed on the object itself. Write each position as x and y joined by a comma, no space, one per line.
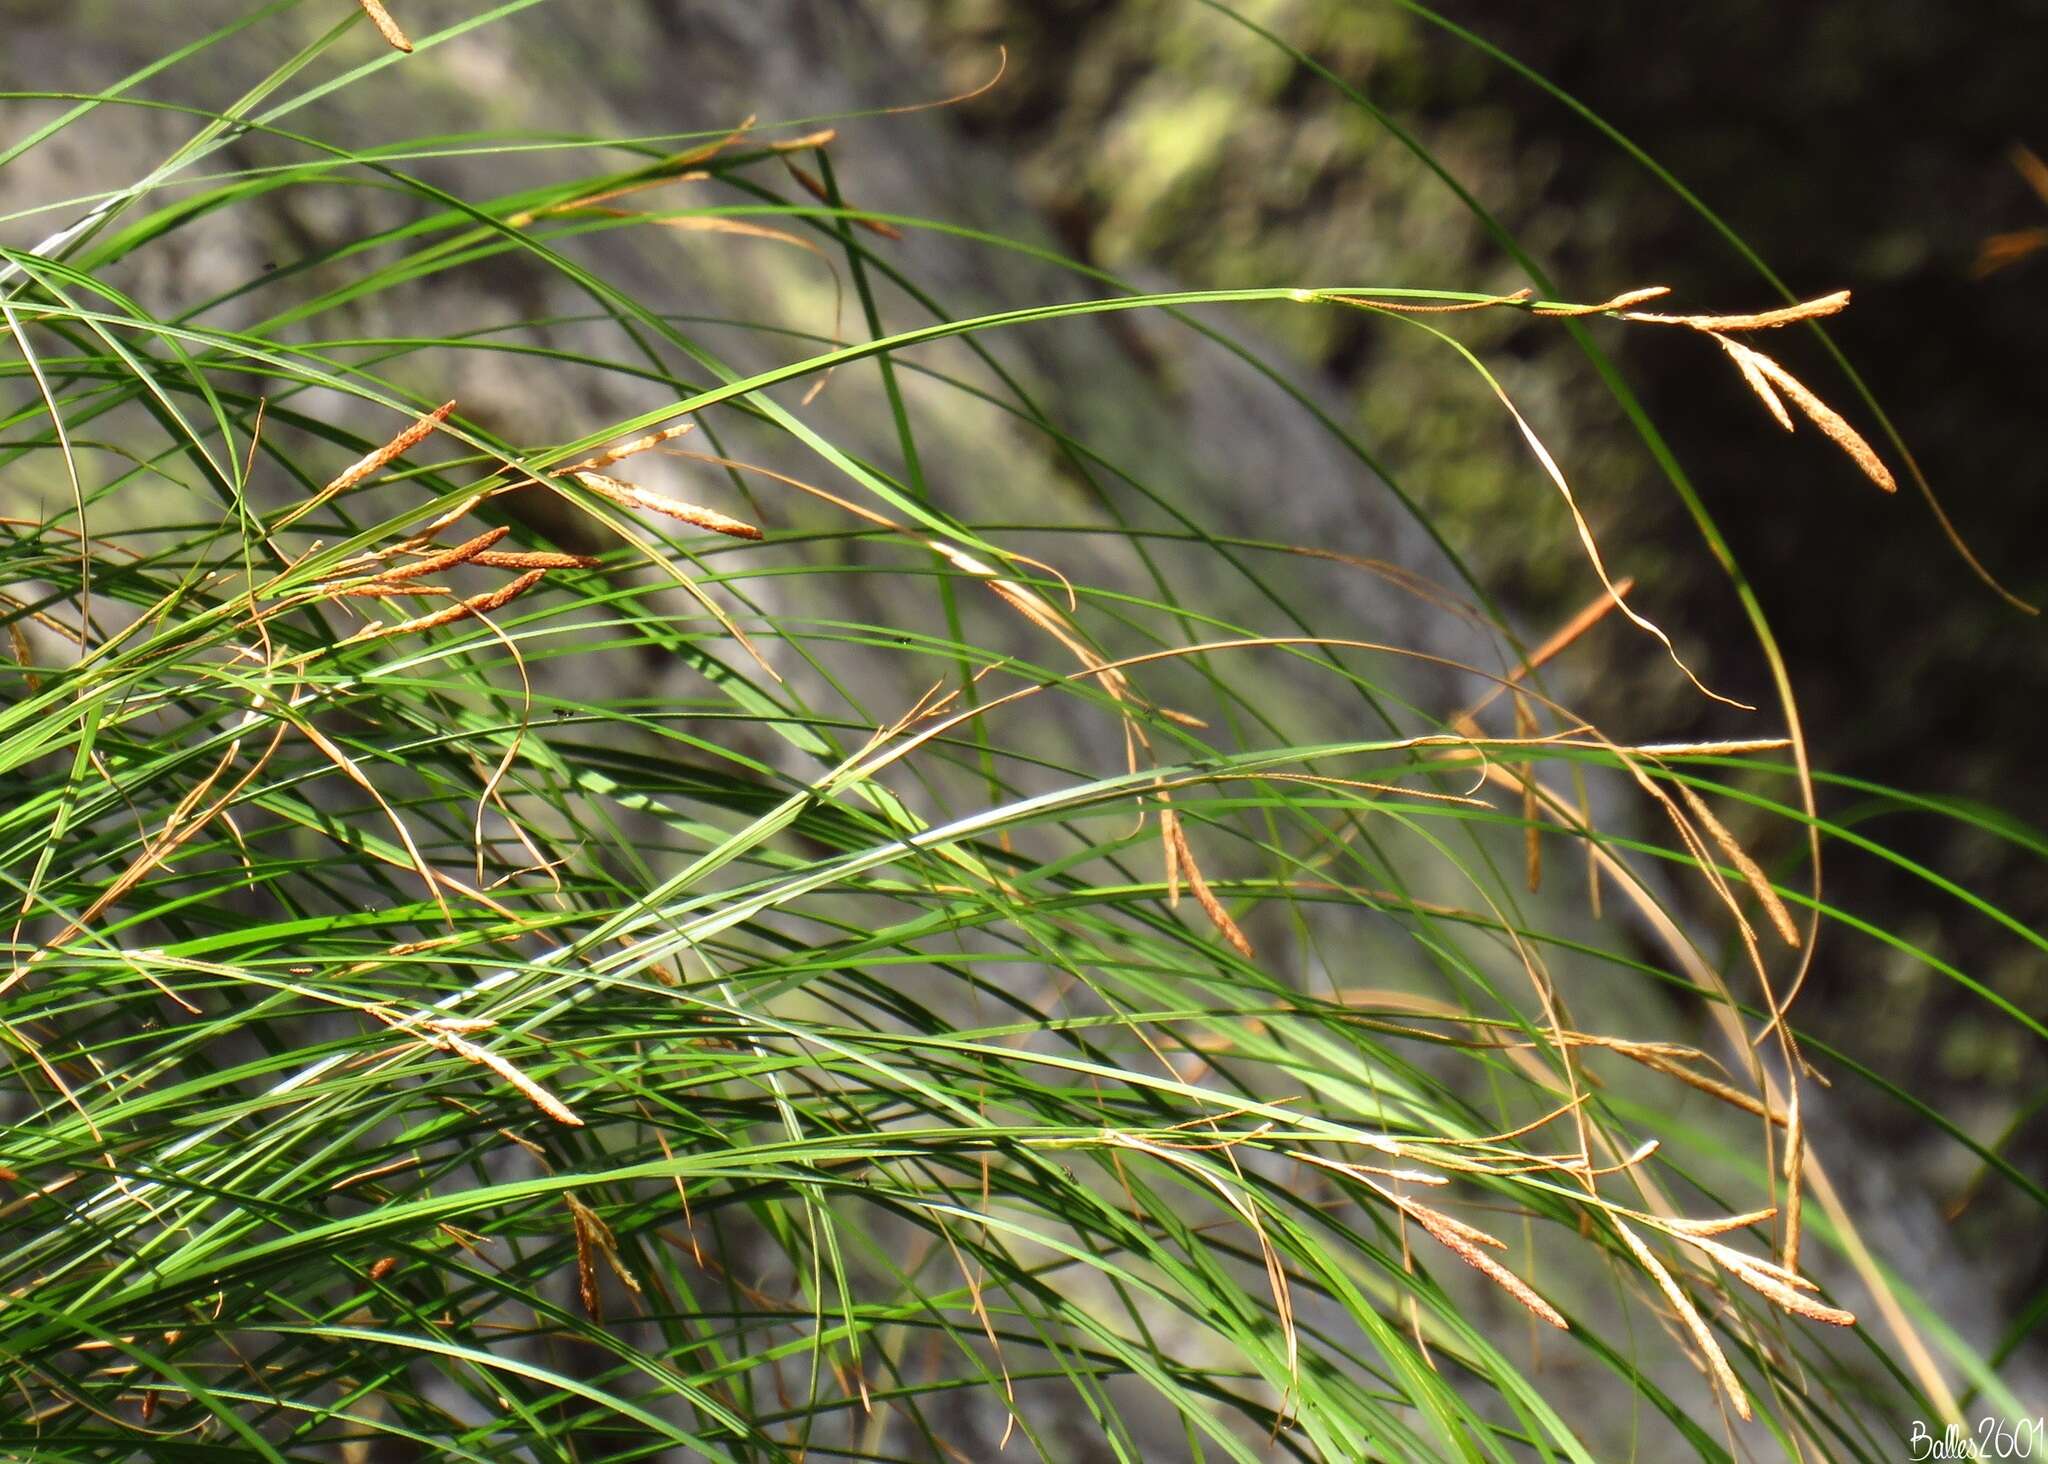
707,936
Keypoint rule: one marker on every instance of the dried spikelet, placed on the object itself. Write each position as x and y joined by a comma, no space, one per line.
1717,1360
1781,918
719,224
1169,838
447,559
594,1238
805,143
1180,718
375,1171
1048,619
383,590
24,656
1831,423
534,1093
1795,1175
1620,302
633,496
1792,1301
536,559
1204,896
1763,320
1719,1225
1735,1260
1758,382
1452,1235
1470,1232
817,190
586,1265
1725,747
638,445
1781,1284
414,947
386,26
525,1143
463,609
1532,828
453,516
383,1266
1735,1097
398,446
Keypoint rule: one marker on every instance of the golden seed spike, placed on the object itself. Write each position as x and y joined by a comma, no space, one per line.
632,496
1831,423
1762,320
386,26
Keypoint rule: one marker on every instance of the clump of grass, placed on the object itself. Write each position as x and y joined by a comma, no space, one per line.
420,1030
